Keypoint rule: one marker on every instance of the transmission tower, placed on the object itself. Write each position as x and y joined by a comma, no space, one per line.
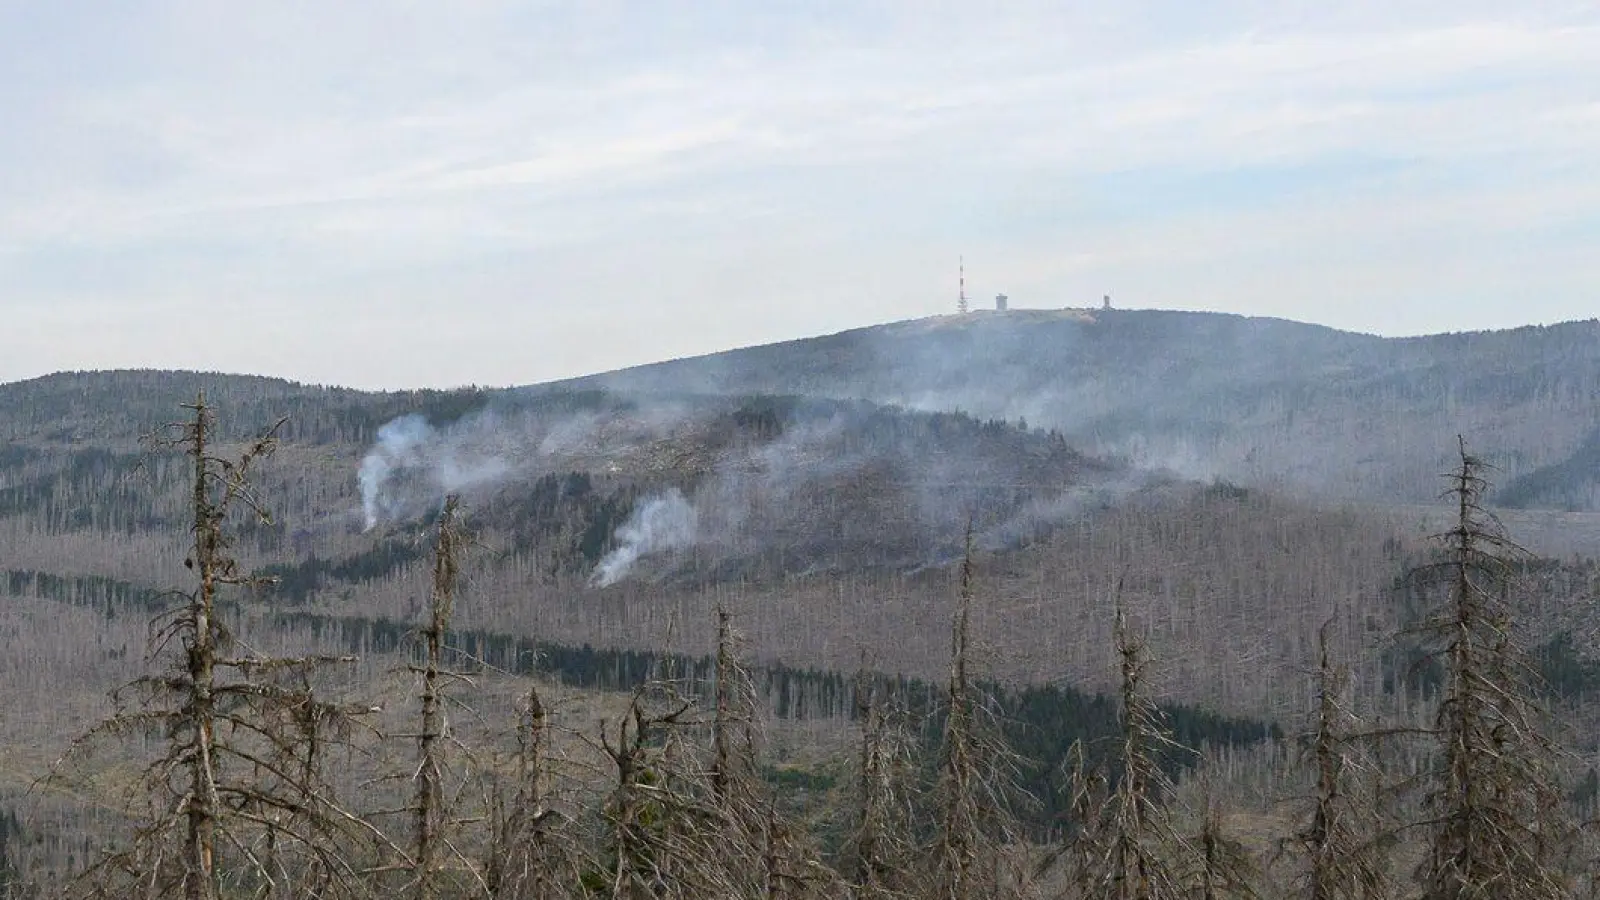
961,302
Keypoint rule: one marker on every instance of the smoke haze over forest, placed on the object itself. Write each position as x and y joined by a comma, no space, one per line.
1238,486
764,555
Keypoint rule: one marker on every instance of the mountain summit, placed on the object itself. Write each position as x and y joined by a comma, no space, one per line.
1211,395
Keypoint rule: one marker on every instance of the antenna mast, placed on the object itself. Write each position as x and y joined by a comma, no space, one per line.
961,303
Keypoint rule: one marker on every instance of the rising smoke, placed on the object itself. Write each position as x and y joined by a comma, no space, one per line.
663,522
830,482
413,464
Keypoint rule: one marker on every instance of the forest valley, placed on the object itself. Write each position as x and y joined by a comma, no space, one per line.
265,748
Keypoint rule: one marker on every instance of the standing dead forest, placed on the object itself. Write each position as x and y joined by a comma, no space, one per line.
259,749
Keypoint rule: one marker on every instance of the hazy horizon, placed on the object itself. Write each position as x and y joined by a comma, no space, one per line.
647,362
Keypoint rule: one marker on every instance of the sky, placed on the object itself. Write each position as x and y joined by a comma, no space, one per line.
388,194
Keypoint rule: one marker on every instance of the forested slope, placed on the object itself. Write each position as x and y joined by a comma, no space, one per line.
613,520
1213,395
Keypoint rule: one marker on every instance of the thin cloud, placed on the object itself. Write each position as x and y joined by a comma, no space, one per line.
596,166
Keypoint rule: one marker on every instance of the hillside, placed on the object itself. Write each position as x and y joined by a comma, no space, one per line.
1209,395
763,473
1204,395
823,492
606,517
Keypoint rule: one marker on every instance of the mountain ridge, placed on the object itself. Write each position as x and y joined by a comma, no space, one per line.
1213,395
1257,400
831,522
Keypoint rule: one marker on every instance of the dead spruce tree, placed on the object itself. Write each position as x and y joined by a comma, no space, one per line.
733,744
1220,866
976,832
661,826
879,852
1494,825
532,854
237,803
430,809
1340,839
687,820
1127,847
779,860
429,775
749,845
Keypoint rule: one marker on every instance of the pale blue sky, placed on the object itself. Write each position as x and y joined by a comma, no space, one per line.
389,194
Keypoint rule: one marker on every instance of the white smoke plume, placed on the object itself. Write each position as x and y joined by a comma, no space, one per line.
413,464
749,492
663,522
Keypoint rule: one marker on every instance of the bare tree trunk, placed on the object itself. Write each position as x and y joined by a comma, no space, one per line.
530,794
958,838
242,766
977,831
530,757
519,859
430,766
731,741
1222,867
1342,860
881,848
748,848
1495,805
635,869
1127,848
774,880
1319,836
200,843
873,793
